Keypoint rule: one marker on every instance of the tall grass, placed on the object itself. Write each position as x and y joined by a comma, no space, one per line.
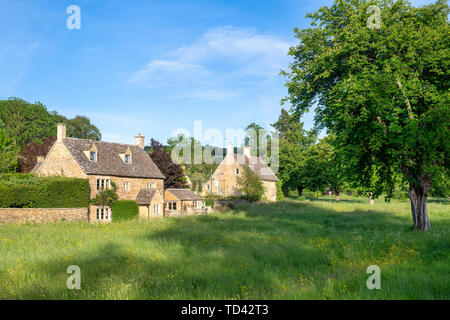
287,250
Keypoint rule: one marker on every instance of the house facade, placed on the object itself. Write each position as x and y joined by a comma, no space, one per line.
224,180
129,167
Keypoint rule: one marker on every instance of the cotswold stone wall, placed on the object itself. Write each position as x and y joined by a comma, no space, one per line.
37,215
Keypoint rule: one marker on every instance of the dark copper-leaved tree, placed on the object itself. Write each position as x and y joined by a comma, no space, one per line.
30,152
174,173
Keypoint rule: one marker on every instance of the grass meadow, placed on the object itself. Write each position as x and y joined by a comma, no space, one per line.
287,250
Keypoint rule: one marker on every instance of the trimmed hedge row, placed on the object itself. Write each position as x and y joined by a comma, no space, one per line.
29,191
123,210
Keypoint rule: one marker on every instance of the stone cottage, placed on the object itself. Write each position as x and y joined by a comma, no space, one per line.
128,166
182,201
223,181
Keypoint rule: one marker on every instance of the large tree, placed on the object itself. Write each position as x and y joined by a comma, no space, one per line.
294,141
81,127
382,90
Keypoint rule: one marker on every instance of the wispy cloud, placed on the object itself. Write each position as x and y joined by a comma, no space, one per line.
217,65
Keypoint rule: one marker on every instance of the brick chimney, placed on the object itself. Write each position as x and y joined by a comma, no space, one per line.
139,140
61,132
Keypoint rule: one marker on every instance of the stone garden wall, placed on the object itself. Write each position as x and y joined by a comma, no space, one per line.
37,215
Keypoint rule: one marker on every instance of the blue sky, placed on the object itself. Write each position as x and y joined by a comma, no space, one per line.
152,67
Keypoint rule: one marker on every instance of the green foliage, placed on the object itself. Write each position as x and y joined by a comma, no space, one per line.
123,210
294,141
8,153
22,123
250,185
106,197
29,191
280,194
209,200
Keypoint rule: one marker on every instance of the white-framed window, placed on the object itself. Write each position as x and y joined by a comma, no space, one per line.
127,158
172,205
217,183
126,186
157,209
103,184
93,156
103,214
208,186
151,185
237,171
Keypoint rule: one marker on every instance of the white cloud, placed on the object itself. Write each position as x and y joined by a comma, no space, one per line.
218,64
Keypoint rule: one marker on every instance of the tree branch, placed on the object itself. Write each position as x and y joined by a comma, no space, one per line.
408,104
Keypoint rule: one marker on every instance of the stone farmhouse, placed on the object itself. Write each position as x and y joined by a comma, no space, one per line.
223,181
128,166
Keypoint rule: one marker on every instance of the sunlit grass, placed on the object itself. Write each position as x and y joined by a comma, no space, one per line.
288,250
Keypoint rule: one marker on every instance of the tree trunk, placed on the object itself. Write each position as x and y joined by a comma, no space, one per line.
336,194
300,190
371,202
317,193
418,196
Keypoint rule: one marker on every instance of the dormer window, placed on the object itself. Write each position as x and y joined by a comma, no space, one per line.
92,153
151,185
126,157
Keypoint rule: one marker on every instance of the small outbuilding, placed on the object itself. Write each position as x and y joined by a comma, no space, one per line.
183,201
151,204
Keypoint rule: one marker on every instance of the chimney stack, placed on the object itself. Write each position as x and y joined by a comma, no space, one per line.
247,151
230,148
139,140
61,132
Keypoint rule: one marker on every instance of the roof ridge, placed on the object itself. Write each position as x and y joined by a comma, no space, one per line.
106,142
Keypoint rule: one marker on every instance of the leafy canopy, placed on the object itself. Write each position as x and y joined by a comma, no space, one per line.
382,92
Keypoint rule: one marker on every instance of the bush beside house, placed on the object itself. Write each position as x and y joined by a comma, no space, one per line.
124,210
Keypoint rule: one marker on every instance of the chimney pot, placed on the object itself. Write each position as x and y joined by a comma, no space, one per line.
61,132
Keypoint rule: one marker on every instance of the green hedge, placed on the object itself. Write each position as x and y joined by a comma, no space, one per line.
123,210
29,191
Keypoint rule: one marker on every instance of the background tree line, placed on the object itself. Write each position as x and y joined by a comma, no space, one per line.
28,130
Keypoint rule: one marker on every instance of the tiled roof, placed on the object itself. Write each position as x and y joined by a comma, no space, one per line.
184,194
145,196
258,165
109,162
